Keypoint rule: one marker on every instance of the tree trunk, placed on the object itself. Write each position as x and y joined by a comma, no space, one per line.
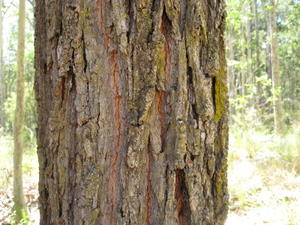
2,86
259,91
257,39
19,205
132,105
248,39
277,108
231,69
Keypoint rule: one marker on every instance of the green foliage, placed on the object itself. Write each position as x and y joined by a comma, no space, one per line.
30,172
263,167
24,221
10,69
249,70
30,162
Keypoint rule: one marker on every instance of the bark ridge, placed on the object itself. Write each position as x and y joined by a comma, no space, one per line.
132,103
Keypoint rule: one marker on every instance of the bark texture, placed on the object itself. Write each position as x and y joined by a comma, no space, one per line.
132,104
19,203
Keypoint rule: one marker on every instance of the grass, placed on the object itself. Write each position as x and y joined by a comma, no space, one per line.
6,146
30,181
263,176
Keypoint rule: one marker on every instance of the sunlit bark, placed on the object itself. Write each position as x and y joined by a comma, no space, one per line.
132,104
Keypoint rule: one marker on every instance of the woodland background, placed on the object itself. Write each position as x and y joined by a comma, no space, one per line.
264,161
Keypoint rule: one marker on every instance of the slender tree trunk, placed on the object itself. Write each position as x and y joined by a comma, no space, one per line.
230,70
277,108
19,205
257,39
244,71
268,36
258,85
248,37
2,86
132,105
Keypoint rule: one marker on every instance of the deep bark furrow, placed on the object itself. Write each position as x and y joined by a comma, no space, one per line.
182,199
132,112
149,187
160,104
118,131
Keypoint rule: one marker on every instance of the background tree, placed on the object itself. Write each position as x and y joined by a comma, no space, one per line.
276,87
289,53
253,143
251,61
2,87
269,157
10,12
19,204
132,106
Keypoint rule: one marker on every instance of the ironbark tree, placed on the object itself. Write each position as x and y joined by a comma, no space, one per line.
132,105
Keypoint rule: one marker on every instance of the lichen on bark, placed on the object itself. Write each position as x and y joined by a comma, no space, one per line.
132,104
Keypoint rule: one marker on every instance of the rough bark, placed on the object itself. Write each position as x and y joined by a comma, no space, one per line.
19,205
132,104
277,107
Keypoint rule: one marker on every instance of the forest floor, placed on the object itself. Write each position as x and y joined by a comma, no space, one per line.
264,186
264,178
30,183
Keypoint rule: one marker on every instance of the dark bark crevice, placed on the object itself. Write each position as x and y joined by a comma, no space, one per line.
130,12
126,112
182,21
213,92
150,193
160,104
85,63
166,25
191,94
71,153
182,199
